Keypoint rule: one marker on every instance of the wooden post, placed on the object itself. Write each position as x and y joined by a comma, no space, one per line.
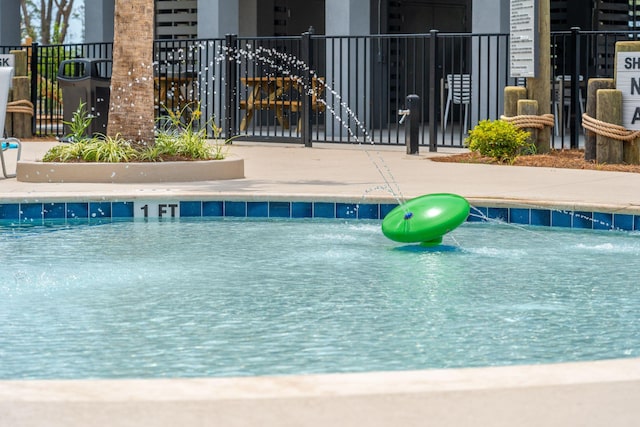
631,152
540,87
513,94
529,107
590,137
609,150
20,69
19,124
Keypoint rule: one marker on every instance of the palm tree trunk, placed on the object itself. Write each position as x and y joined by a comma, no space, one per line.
131,109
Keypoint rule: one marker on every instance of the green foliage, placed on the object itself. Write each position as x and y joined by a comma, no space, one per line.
182,135
109,150
49,61
181,138
48,22
66,153
79,123
499,139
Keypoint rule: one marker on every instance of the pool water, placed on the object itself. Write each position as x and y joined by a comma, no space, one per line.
225,297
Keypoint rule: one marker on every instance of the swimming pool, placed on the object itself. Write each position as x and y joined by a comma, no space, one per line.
244,297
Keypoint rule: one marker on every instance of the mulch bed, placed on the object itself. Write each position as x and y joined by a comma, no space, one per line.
568,159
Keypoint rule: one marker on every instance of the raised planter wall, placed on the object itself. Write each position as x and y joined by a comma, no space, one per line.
209,170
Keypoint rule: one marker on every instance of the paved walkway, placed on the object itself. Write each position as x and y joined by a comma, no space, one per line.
350,172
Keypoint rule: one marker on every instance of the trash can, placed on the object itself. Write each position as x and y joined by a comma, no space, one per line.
86,80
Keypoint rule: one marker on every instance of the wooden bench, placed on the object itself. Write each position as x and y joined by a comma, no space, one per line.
267,93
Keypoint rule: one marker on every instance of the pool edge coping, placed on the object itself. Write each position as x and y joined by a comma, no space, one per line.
576,393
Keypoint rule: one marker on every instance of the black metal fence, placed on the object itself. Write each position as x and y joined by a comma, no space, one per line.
314,88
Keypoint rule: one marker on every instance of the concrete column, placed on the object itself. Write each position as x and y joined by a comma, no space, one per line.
216,18
248,25
10,23
346,69
489,55
98,21
347,17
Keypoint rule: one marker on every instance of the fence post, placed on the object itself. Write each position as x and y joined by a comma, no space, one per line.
412,129
34,84
306,46
231,85
576,118
433,94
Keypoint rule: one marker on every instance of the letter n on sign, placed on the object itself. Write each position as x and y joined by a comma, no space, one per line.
628,82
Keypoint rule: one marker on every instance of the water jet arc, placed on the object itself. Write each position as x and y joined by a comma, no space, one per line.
425,219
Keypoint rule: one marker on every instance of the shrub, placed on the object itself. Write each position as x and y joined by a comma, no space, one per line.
499,139
181,137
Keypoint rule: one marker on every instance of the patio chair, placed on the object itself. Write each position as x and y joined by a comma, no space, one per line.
6,73
562,101
458,92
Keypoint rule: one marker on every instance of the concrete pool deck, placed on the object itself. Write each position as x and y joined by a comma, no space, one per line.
585,394
351,172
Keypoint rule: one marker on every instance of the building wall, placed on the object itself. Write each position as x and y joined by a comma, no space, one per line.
10,23
176,19
289,17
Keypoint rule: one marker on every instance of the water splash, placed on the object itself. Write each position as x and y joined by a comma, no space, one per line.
274,60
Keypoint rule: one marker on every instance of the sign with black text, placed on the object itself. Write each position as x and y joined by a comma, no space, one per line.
158,210
523,38
628,82
7,60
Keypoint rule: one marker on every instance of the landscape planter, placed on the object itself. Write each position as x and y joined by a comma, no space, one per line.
141,172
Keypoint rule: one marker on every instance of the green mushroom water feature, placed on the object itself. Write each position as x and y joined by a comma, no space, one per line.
425,219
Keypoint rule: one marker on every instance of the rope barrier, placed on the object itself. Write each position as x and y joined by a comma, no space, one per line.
608,129
21,106
531,121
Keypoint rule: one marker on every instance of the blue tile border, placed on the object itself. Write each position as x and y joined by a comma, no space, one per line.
55,211
541,217
302,210
36,213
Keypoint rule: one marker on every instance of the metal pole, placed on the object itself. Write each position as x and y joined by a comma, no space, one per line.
307,85
34,86
230,87
412,126
576,119
433,85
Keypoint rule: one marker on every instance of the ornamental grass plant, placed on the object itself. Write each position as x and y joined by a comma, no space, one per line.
180,136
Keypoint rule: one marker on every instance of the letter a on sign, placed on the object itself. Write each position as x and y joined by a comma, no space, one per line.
628,82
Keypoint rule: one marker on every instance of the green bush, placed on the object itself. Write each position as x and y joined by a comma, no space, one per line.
182,137
499,139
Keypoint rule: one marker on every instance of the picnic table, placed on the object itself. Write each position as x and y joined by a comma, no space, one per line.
280,94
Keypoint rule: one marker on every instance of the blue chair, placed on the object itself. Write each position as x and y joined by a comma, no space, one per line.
6,74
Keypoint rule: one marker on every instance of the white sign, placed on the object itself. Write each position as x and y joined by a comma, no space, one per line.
7,60
157,210
628,82
523,38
